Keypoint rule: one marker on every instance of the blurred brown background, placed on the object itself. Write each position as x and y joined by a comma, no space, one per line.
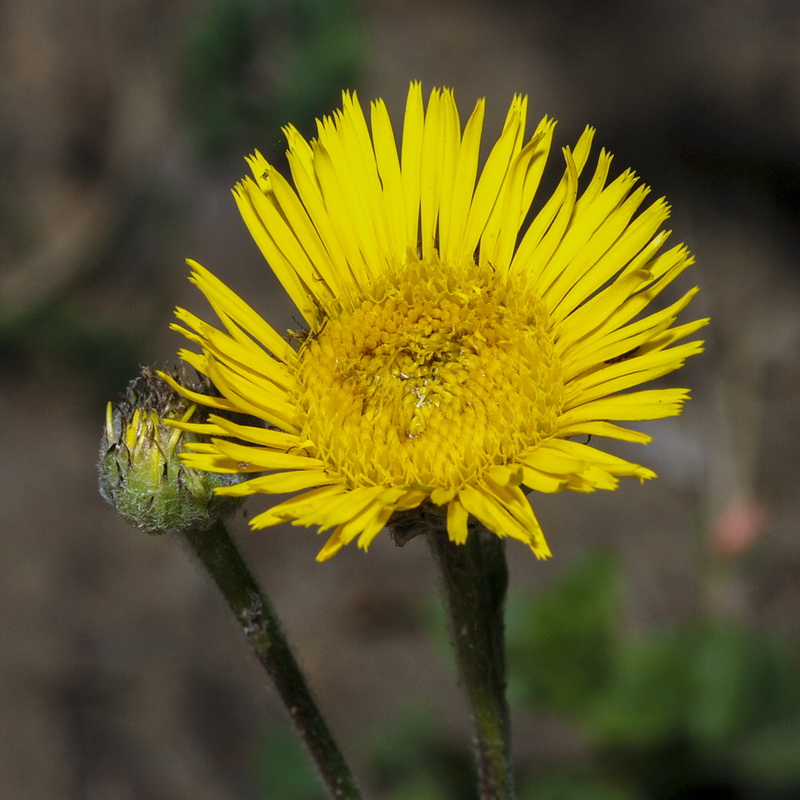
123,127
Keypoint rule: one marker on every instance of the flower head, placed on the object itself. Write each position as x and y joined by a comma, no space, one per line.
454,349
140,470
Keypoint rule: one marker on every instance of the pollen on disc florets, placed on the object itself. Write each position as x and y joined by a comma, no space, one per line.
439,373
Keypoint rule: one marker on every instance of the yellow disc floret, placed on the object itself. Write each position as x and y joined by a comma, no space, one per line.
437,375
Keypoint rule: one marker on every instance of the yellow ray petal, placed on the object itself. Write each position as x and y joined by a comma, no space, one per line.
268,437
197,397
454,221
606,429
430,171
411,159
457,518
295,506
490,183
264,457
494,516
391,179
281,483
613,378
647,404
226,302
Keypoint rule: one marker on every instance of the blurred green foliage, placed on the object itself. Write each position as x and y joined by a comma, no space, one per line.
414,759
95,324
575,784
702,709
59,338
251,66
283,770
567,632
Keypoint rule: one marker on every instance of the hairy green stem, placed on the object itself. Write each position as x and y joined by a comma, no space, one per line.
474,579
217,551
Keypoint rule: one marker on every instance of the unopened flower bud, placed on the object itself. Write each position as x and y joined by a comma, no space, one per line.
141,473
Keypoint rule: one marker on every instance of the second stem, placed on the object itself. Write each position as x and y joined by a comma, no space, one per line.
219,555
474,579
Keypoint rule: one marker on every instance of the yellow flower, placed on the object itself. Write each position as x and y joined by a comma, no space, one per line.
454,350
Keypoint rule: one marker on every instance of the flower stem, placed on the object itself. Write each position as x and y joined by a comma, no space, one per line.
474,580
220,556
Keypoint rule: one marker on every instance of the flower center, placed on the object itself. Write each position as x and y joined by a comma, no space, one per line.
438,374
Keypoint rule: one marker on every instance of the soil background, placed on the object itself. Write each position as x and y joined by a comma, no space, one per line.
121,673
